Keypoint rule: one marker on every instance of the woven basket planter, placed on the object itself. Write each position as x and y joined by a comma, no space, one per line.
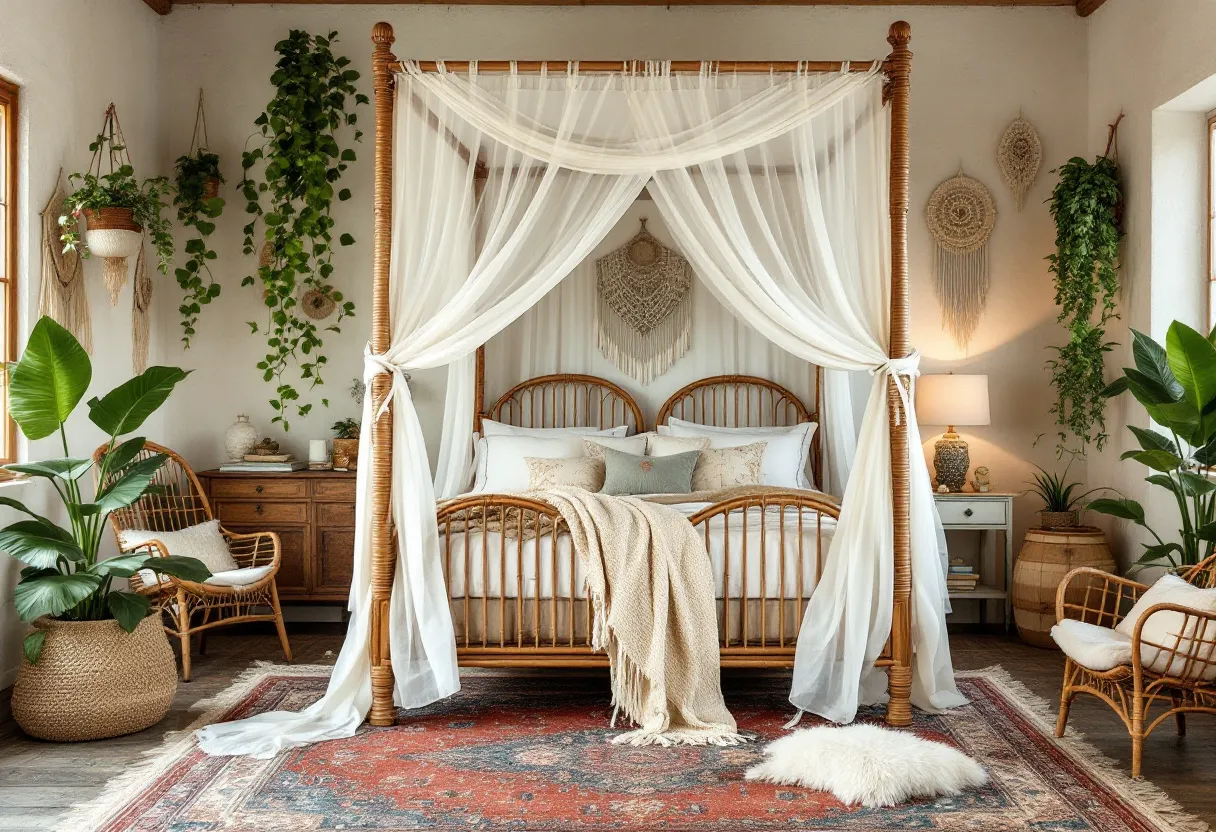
211,187
1047,556
95,681
113,235
346,453
1058,520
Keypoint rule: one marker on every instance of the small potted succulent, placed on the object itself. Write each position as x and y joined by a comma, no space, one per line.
346,444
1061,501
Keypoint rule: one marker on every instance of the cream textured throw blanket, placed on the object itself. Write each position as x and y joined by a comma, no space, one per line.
652,596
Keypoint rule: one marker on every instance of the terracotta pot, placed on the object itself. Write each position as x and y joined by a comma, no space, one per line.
95,681
1048,555
346,453
1058,519
211,187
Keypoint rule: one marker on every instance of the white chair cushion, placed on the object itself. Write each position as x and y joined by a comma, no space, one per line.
240,577
204,542
1163,628
1091,646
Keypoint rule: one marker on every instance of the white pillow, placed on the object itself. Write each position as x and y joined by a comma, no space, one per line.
1091,646
1163,628
661,445
203,542
594,446
491,428
786,455
502,466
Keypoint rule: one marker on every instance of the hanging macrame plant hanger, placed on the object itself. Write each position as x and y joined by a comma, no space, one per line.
200,143
111,233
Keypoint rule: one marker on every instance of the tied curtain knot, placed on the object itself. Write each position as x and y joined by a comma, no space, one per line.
897,369
376,363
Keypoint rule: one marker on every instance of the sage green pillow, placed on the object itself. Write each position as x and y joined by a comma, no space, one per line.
633,474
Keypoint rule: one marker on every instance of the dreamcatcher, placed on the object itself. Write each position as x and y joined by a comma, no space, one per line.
961,215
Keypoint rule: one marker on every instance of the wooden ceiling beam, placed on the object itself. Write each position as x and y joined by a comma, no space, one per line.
1087,7
638,2
160,6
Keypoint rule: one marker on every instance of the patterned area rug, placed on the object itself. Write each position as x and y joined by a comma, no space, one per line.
529,752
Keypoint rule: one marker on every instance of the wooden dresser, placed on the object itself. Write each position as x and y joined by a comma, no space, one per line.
313,513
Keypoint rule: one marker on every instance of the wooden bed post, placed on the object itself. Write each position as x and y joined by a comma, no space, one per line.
384,547
899,70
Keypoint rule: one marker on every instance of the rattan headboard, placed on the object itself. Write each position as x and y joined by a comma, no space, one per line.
566,401
744,401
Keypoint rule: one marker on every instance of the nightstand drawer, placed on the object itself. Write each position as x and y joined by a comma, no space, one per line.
972,512
245,513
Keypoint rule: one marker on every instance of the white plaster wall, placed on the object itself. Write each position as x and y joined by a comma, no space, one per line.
1143,55
974,69
72,58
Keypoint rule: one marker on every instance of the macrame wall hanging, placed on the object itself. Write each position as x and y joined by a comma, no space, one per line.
63,298
140,322
1019,156
961,215
643,316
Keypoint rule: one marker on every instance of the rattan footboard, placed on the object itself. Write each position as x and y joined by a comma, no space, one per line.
516,601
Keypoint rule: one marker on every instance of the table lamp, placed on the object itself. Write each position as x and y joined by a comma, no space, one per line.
952,400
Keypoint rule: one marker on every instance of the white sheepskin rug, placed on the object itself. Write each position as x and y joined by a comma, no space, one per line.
867,764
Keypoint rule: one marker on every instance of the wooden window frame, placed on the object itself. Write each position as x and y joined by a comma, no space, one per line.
1211,173
9,95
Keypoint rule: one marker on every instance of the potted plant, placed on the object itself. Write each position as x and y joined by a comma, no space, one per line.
346,444
97,663
1085,205
198,204
117,209
1061,502
1176,383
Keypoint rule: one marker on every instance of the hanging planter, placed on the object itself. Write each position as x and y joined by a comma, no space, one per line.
198,203
116,208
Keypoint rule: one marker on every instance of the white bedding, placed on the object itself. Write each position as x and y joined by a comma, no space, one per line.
486,564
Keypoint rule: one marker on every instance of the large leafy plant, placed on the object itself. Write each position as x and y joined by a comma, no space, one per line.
1085,267
303,162
63,577
1177,386
197,173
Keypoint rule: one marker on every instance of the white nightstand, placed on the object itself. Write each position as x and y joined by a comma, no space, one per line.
989,513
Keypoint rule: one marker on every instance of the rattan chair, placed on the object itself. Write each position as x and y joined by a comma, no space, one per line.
1133,690
190,608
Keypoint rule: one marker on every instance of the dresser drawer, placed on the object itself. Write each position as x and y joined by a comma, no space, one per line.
337,489
972,512
336,514
266,488
252,512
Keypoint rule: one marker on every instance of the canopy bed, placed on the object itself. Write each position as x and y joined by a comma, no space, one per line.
785,185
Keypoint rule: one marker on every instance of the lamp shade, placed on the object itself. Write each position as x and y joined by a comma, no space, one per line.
952,400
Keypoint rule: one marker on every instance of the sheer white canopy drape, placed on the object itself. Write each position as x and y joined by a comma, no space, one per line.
774,187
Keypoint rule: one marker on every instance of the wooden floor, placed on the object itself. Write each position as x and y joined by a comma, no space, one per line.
38,781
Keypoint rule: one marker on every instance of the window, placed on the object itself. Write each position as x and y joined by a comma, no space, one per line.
8,255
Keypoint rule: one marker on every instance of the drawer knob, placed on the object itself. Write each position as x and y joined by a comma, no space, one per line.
966,512
258,509
258,489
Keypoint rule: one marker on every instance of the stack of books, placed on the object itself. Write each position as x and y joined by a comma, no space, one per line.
272,464
961,578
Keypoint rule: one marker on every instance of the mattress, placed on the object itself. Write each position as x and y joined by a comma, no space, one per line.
763,557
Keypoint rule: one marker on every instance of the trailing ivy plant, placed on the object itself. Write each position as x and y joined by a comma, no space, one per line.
198,175
299,133
1085,204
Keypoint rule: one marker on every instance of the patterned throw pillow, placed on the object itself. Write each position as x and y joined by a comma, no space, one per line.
203,541
668,445
726,467
594,446
633,474
578,472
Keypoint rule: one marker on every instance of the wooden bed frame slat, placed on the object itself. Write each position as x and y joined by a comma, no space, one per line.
897,656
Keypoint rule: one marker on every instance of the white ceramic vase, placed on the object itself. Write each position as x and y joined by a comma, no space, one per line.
240,438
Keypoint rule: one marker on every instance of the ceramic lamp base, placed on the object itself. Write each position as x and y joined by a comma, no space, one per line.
951,461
